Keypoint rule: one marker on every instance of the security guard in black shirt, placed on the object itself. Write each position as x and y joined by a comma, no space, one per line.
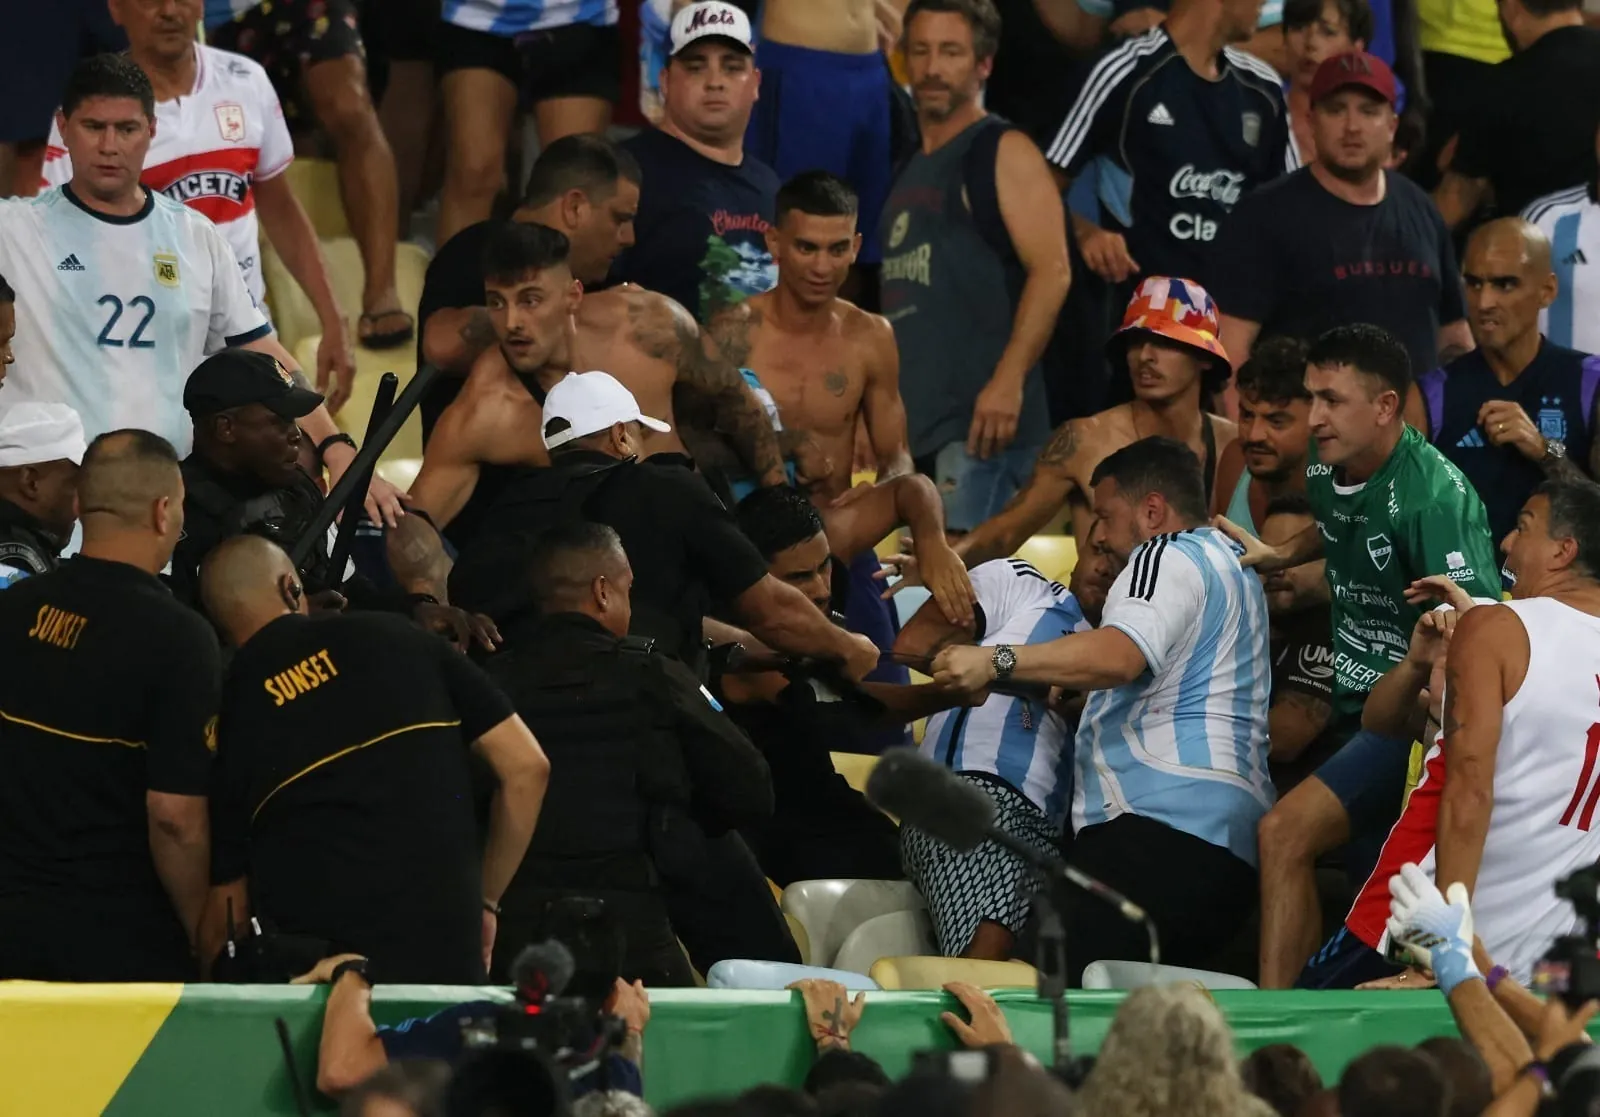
645,766
41,446
245,476
342,799
108,708
685,548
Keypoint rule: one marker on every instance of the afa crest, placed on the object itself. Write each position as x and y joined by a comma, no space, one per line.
166,268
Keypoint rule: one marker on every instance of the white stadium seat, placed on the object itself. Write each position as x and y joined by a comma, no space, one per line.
830,910
1136,975
898,934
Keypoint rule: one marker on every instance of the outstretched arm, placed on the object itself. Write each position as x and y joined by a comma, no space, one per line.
1031,508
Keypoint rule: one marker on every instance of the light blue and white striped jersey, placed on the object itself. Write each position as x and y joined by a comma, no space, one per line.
113,314
218,12
1185,743
513,17
1016,739
1571,219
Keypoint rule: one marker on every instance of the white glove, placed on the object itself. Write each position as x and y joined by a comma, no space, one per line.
1432,925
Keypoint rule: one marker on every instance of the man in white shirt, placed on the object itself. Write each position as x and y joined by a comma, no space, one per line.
1571,219
221,147
124,291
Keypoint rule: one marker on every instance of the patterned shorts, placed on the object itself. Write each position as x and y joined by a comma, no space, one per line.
964,889
286,37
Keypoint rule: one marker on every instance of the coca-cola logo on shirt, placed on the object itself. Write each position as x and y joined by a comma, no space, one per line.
1222,187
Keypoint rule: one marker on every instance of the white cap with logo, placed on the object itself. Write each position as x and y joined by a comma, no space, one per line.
33,433
711,18
591,402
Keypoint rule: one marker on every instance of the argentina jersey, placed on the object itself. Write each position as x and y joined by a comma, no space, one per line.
1018,740
1175,151
1185,744
513,17
114,313
1571,220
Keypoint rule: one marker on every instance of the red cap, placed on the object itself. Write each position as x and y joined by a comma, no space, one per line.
1355,67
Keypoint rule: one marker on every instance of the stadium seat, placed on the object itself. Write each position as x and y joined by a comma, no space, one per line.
855,767
316,183
1054,555
830,910
747,973
802,941
898,934
1136,975
936,972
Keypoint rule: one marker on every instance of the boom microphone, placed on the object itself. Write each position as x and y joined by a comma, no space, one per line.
541,970
932,798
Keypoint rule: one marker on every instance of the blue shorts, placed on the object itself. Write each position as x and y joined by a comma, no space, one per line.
975,489
1343,963
825,111
1368,776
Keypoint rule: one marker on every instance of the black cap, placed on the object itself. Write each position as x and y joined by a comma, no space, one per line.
235,377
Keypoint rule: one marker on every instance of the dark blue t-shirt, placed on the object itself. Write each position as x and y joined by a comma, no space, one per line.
700,236
1557,391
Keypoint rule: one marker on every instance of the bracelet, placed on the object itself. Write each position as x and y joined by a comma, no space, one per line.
1494,977
340,436
1540,1074
490,906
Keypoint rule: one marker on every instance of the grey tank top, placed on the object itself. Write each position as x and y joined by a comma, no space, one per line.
951,301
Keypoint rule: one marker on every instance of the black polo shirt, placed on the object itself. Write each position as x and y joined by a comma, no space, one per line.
686,551
342,789
108,692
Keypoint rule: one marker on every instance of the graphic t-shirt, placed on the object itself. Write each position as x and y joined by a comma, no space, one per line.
702,226
1299,261
1416,516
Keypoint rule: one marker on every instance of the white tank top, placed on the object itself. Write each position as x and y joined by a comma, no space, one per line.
1546,817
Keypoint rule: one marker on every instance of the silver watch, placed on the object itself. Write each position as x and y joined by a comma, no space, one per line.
1555,450
1005,661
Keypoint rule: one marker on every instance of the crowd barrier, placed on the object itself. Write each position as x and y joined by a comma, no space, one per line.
206,1050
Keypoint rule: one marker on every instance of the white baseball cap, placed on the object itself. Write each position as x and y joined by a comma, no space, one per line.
711,19
591,402
32,433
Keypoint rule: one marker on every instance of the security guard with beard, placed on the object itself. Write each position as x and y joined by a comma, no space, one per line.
41,447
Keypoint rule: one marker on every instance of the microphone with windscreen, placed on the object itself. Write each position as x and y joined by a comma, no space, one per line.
934,799
541,970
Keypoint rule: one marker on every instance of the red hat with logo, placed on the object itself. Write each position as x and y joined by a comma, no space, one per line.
1355,67
1177,309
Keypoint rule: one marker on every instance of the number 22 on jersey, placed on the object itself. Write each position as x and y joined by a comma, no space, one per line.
111,335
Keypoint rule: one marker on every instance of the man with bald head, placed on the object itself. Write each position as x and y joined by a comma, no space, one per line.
372,850
109,697
1518,408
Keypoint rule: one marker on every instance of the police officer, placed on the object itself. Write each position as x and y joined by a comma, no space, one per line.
684,546
645,766
108,702
41,446
342,798
245,476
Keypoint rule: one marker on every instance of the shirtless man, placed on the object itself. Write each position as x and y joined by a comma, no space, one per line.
833,114
1169,339
1268,459
824,361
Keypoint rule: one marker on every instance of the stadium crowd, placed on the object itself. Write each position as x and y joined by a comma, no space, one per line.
1281,311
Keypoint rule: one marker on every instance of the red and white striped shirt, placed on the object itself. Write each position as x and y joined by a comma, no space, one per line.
209,150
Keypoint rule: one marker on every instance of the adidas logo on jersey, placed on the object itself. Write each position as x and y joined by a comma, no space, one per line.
71,263
1577,257
1160,115
1471,439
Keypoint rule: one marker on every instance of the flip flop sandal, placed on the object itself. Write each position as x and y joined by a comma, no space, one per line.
388,339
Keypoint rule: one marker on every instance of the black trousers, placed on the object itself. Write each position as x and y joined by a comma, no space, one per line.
1198,894
723,908
650,951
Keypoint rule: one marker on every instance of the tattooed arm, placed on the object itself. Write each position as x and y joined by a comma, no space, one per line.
453,338
1024,514
664,330
1487,645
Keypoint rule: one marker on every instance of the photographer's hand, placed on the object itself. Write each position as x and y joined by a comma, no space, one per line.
988,1026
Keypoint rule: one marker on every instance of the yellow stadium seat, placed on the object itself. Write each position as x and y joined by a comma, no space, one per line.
934,973
370,367
316,183
855,767
1054,555
801,939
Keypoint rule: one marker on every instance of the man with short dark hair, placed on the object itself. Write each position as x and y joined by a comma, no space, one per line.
1171,754
1517,408
109,699
1533,126
41,447
1343,240
1268,459
1393,1081
975,268
1390,509
702,228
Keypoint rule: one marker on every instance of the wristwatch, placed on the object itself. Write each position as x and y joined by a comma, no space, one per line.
1555,450
1005,661
357,966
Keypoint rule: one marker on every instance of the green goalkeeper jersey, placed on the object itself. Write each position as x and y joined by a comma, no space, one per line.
1416,516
